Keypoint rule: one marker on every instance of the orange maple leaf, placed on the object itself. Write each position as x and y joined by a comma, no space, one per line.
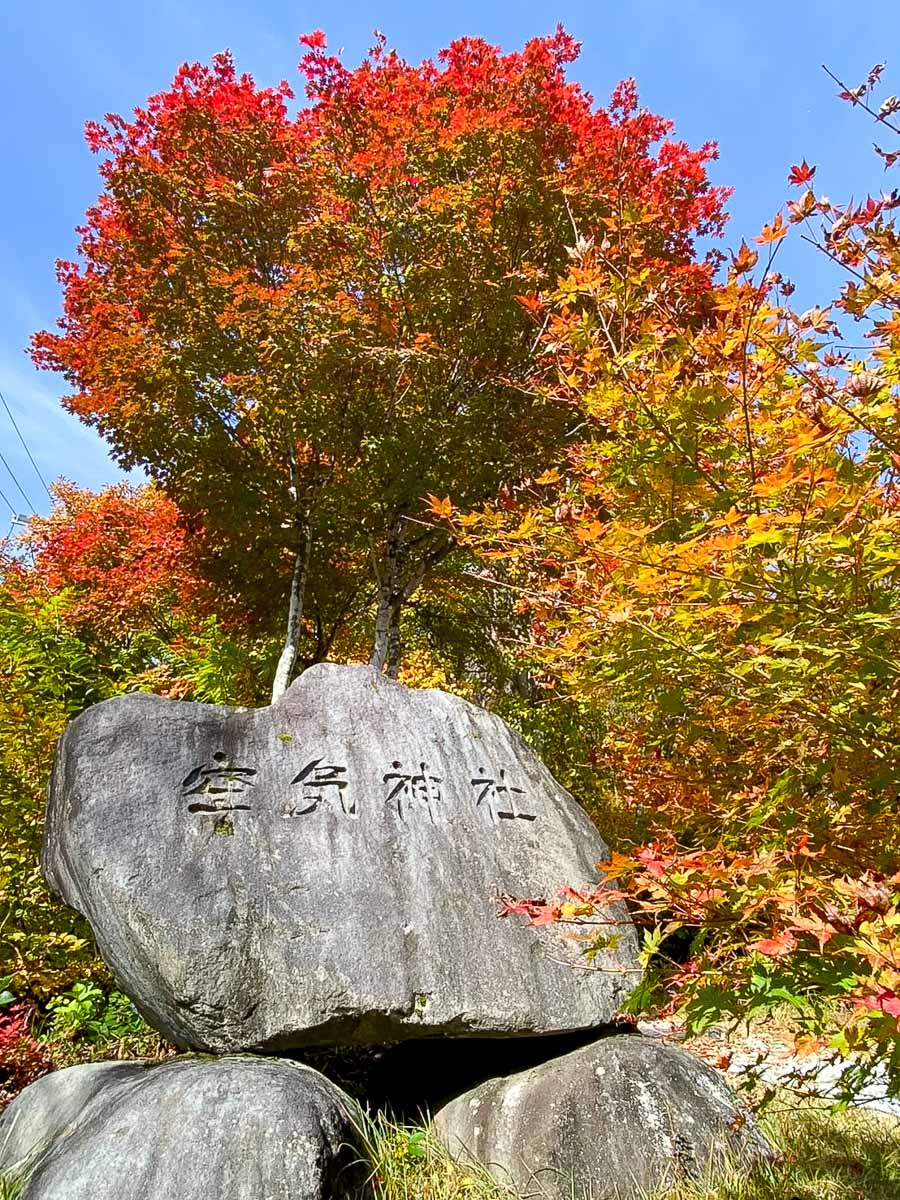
440,508
772,233
745,259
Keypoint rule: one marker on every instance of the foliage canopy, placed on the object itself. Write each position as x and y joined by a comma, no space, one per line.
302,324
717,563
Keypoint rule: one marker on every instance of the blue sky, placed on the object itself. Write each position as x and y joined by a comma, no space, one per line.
747,75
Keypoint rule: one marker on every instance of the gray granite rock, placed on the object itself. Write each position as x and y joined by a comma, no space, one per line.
613,1121
326,870
196,1128
50,1108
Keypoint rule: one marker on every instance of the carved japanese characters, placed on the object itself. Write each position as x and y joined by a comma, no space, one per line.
326,870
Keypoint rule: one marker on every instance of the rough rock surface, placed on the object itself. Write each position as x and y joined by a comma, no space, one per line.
611,1120
240,1128
50,1108
326,870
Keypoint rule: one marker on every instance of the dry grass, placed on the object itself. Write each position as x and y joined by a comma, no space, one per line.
407,1162
824,1155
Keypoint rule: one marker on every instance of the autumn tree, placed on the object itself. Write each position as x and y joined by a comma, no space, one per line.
716,562
300,325
120,557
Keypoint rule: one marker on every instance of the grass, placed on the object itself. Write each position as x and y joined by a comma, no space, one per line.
823,1155
407,1162
12,1183
10,1187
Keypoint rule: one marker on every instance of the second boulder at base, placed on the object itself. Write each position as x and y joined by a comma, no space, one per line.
194,1129
613,1121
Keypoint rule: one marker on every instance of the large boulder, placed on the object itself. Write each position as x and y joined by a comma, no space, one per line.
195,1128
51,1107
326,870
616,1119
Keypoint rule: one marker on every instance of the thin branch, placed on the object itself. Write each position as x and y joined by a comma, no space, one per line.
859,100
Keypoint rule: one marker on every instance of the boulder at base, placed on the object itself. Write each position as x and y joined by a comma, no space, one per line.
194,1128
326,870
51,1107
613,1120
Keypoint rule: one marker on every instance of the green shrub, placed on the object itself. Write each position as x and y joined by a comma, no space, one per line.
86,1013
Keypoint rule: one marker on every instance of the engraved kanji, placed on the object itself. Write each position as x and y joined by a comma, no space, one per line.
411,789
322,783
499,797
217,783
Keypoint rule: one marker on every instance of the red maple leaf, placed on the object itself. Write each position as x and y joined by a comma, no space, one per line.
884,999
801,174
779,945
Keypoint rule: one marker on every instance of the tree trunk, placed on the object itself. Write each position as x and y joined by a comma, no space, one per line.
288,657
390,601
395,643
393,593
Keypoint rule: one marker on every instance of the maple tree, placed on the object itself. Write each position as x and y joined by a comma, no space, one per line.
717,563
302,324
120,555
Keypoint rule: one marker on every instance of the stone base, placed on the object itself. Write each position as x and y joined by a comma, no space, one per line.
190,1128
614,1119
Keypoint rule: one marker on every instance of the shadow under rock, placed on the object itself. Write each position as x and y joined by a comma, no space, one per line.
409,1079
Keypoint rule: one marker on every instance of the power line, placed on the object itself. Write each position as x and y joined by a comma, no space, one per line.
6,500
18,485
25,446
